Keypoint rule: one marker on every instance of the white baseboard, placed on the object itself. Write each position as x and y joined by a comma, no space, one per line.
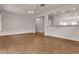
13,33
69,38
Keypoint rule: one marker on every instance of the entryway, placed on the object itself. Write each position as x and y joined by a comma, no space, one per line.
39,25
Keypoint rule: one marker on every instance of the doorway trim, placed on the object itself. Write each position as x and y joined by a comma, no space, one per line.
39,33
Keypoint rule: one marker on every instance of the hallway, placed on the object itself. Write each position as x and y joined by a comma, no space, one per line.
32,43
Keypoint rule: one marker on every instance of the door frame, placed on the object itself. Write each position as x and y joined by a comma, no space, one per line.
43,26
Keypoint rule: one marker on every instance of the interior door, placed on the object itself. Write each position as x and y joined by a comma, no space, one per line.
39,25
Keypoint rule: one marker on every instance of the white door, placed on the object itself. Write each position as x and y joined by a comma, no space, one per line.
39,25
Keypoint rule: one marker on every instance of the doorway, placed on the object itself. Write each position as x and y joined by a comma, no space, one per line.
39,25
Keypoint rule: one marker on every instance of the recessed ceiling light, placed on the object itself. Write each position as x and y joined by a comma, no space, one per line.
74,8
30,11
63,11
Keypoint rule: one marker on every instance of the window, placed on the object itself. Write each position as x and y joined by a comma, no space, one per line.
68,23
63,23
65,19
74,23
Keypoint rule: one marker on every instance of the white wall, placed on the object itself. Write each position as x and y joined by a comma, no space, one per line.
0,22
71,33
15,24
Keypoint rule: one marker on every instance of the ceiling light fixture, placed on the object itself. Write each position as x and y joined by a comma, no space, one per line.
74,8
30,11
42,5
63,11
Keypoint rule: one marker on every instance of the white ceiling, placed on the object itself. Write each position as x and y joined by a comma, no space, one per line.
23,8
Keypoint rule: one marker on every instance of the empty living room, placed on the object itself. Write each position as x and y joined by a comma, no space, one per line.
39,28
